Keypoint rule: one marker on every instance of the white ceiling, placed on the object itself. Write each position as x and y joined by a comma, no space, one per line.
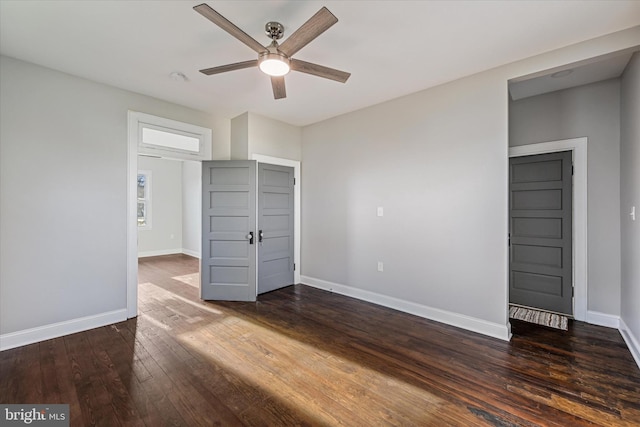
392,48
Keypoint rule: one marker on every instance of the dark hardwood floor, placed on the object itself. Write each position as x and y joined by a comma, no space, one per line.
301,356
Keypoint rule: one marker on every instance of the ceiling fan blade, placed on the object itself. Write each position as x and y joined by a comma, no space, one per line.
279,91
230,67
319,70
222,22
316,25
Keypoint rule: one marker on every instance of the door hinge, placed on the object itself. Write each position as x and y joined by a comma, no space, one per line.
572,170
294,266
294,181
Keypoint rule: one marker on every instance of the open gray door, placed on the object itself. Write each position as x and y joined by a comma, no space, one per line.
540,215
228,260
275,227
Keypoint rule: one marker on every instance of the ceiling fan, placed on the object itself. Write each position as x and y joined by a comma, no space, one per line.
276,60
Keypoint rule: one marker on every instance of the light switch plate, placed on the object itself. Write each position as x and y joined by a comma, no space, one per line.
380,211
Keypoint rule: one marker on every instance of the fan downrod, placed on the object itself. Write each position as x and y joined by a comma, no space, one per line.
274,30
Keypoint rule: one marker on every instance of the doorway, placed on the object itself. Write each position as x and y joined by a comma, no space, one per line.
168,208
578,148
196,146
540,232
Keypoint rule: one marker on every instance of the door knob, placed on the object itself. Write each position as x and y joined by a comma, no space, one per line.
250,237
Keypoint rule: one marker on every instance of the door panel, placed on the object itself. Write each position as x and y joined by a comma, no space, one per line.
540,215
538,283
539,255
537,227
537,172
536,199
228,263
275,222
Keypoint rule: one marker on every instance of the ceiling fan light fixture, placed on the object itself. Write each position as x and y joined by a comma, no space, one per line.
275,60
274,64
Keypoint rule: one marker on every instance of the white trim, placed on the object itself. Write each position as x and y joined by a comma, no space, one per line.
160,252
195,254
632,341
135,119
603,319
295,164
473,324
55,330
132,217
580,261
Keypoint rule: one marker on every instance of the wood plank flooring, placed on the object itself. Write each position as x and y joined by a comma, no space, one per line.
301,356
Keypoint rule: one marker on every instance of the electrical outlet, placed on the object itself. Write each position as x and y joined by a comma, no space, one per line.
380,266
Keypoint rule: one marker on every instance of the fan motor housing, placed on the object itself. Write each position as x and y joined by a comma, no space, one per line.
274,30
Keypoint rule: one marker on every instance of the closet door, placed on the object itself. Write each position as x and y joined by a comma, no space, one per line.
275,227
540,226
228,260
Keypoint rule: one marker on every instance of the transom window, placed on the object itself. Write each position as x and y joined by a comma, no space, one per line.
168,138
155,136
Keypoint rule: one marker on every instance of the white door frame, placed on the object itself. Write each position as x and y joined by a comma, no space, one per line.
135,119
132,220
296,207
579,241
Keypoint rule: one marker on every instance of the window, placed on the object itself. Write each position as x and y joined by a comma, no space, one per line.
153,136
144,200
168,138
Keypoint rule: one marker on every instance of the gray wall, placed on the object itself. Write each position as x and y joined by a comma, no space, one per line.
165,234
255,134
240,137
63,192
274,138
436,162
630,196
191,203
592,111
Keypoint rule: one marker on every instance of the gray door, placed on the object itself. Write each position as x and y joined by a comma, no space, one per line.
540,196
275,227
228,256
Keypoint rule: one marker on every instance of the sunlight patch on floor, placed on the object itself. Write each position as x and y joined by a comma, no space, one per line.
298,370
192,279
314,381
155,322
162,294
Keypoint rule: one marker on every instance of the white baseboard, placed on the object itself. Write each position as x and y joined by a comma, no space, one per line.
55,330
480,326
159,252
632,341
603,319
195,254
145,254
